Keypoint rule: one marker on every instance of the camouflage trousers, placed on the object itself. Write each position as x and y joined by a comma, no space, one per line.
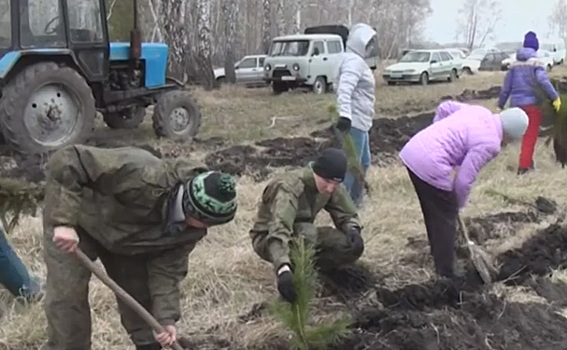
67,286
333,248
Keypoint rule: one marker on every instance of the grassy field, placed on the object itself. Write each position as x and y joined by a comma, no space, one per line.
227,280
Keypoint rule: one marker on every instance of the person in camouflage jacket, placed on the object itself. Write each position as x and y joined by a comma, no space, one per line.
141,216
288,207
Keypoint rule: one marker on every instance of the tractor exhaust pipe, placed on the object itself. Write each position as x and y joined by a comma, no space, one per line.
135,38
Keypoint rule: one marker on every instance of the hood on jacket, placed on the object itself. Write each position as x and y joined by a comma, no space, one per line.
359,37
525,53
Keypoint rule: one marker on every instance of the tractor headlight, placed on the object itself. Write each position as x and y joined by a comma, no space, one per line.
295,67
267,67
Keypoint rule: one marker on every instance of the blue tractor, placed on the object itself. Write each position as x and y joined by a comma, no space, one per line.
58,68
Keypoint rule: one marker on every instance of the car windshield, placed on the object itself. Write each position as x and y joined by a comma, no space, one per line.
289,48
416,56
5,27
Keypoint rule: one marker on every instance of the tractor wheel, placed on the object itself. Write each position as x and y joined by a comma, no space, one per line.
176,116
127,119
46,107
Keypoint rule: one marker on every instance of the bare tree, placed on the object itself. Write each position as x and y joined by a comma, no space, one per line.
266,25
204,51
281,20
173,16
230,11
478,21
558,19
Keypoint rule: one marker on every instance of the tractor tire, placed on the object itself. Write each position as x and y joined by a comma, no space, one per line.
46,107
130,118
176,116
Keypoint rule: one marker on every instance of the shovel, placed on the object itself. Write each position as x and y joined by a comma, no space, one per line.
482,261
124,296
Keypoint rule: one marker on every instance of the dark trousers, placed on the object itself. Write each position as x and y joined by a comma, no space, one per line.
440,210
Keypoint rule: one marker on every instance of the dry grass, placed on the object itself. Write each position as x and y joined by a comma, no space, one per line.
226,278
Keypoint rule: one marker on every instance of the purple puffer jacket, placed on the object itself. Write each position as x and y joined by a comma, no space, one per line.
447,108
469,139
527,70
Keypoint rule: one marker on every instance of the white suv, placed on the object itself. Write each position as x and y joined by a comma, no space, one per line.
303,60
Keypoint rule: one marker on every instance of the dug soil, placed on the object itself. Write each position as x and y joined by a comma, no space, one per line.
444,314
387,137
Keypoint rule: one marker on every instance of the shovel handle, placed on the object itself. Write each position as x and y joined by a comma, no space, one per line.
123,295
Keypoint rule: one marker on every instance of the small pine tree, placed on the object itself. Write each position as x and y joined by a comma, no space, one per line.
295,316
348,147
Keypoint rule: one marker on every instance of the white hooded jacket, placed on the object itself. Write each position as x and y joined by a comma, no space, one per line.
355,85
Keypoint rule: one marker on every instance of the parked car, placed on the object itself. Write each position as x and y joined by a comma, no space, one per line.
249,71
422,66
557,49
492,61
308,60
471,63
458,57
545,56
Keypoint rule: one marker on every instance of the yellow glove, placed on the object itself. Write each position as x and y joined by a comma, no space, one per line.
557,104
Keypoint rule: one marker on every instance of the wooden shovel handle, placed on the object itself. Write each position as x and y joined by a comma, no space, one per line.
123,295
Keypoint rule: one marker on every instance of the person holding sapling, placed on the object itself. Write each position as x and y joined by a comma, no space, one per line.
356,93
141,216
288,207
461,143
526,76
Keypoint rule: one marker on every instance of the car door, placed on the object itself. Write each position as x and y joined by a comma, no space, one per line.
436,66
245,70
487,62
319,59
448,64
258,73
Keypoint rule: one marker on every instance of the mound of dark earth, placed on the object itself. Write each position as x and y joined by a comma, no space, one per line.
387,137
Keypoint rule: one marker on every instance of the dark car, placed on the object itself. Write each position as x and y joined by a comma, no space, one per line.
492,61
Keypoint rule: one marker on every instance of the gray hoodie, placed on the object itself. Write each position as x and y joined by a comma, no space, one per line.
355,85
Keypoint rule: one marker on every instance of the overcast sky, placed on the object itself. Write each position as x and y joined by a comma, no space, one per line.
518,17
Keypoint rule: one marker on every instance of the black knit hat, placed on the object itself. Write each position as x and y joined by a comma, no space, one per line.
331,164
210,197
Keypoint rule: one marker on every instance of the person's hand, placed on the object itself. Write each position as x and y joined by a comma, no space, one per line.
355,239
344,124
557,104
66,238
168,337
285,284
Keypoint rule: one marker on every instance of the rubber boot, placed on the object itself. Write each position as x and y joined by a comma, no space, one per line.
153,346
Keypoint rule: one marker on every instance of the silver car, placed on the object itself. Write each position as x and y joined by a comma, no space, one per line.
249,71
423,66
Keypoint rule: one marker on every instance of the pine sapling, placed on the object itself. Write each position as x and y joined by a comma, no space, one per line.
296,316
348,147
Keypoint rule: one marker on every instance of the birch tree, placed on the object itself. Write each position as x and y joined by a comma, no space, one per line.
230,12
173,16
266,25
204,52
558,19
478,21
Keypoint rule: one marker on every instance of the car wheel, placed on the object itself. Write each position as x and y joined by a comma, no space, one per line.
467,70
424,78
452,76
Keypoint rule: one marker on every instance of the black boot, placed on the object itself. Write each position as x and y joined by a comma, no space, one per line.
154,346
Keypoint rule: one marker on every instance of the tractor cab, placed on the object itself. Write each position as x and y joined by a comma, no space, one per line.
58,69
57,27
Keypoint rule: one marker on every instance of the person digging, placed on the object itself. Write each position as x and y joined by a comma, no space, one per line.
460,145
141,216
288,207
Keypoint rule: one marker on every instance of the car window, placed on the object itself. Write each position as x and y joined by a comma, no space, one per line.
261,59
320,46
436,57
489,57
445,56
248,63
334,46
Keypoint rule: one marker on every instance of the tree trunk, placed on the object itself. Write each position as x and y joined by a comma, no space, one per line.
207,77
266,25
281,20
173,16
230,12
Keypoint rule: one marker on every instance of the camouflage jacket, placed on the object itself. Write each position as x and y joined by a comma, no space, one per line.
292,198
118,196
